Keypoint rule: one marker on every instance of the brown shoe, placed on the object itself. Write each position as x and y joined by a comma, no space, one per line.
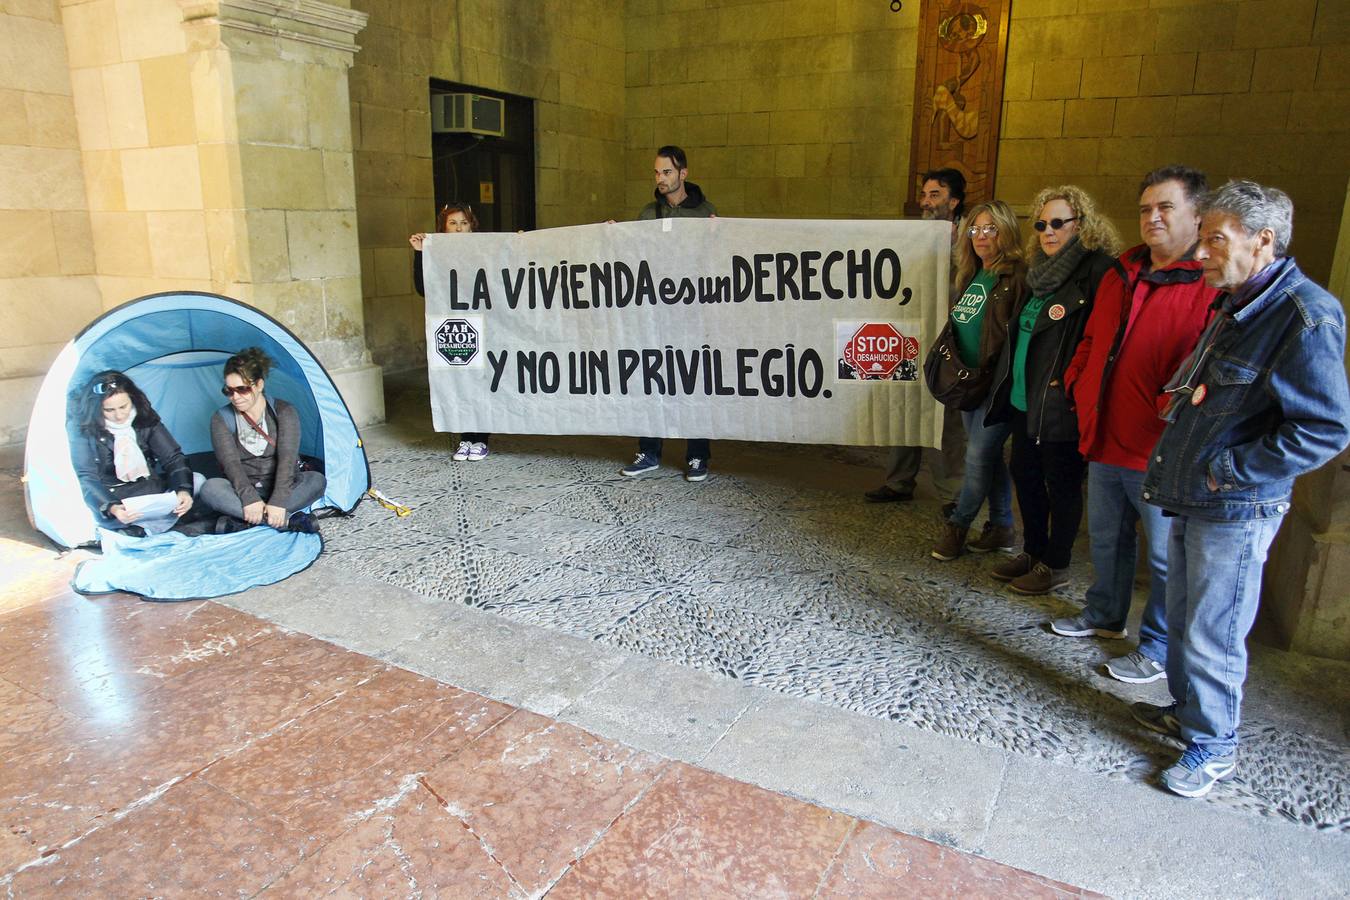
1040,580
993,537
1016,567
952,543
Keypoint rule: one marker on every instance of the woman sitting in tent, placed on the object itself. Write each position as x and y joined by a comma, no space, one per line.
257,443
123,451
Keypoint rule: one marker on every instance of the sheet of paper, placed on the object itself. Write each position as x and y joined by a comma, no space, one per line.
156,511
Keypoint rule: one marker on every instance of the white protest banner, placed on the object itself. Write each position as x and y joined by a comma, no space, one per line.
749,329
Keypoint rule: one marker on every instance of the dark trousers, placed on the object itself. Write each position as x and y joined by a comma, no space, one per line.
1049,480
475,437
694,448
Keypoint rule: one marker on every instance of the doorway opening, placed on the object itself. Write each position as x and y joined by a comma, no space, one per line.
492,173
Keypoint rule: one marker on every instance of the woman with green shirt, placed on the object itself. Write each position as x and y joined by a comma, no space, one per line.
990,282
1073,248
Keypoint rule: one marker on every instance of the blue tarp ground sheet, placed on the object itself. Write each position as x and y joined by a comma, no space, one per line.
172,566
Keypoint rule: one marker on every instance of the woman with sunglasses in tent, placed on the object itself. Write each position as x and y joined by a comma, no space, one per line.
453,218
257,444
123,451
990,282
1072,249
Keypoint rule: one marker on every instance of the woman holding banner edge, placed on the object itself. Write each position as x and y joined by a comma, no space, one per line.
990,282
453,218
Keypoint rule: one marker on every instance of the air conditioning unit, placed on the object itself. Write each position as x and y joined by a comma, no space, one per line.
467,114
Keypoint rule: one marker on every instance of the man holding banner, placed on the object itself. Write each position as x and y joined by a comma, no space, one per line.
676,198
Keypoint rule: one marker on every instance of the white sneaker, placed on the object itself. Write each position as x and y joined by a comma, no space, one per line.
478,451
461,452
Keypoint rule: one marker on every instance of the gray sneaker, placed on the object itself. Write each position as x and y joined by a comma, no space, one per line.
1079,626
1135,668
1162,719
1197,770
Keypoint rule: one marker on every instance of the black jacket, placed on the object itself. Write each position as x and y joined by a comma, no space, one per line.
1050,417
92,456
694,206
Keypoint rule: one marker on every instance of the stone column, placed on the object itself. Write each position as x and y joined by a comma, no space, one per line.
1306,596
273,129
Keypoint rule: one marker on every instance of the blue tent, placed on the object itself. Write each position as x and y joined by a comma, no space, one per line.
174,346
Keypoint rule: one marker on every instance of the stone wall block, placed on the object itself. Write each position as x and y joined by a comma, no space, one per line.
1319,111
103,179
121,243
1195,26
149,28
167,88
1111,76
40,178
339,180
1285,69
50,120
227,245
178,245
1085,118
1255,113
1033,119
1333,67
322,244
270,101
1224,72
27,244
45,310
162,178
392,270
1144,115
1198,114
32,56
1274,23
74,242
1055,79
124,99
1167,73
282,177
91,33
211,78
1332,25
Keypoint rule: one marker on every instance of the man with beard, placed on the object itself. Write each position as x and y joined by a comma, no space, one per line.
676,197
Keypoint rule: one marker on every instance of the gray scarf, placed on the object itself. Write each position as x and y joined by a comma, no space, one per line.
1048,273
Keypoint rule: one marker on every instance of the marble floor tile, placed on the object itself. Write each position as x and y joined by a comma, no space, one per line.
331,767
696,834
879,863
537,793
194,840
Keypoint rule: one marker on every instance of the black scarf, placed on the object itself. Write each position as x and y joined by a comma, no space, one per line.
1048,273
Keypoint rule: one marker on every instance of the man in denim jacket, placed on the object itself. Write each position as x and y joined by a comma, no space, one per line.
1262,399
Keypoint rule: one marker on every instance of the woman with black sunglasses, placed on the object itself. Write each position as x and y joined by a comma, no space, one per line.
123,451
257,444
1072,248
453,218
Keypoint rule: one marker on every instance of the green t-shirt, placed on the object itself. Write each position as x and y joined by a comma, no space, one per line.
968,316
1025,323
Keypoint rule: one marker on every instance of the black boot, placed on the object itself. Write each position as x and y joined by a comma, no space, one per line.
229,525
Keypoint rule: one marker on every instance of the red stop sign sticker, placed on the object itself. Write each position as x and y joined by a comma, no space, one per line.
876,350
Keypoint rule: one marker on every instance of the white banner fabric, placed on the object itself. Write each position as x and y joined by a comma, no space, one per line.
746,329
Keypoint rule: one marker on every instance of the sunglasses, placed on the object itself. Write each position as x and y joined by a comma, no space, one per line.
986,230
103,388
242,391
1053,224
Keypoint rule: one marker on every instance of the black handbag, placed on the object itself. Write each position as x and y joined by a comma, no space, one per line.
949,380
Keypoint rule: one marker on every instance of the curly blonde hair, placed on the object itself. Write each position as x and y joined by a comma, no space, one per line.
1095,232
1009,243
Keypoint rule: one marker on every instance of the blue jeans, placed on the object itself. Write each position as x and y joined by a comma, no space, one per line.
1212,595
1115,504
986,473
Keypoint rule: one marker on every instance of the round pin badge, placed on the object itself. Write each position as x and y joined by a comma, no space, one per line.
1056,312
1198,396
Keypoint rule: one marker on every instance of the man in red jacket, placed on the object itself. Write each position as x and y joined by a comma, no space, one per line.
1147,317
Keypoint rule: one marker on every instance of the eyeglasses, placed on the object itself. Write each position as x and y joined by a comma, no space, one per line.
103,388
986,230
1053,224
242,390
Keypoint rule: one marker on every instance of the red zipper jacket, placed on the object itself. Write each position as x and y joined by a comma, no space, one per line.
1143,324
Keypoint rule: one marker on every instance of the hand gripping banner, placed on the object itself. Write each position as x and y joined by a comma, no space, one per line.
747,329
